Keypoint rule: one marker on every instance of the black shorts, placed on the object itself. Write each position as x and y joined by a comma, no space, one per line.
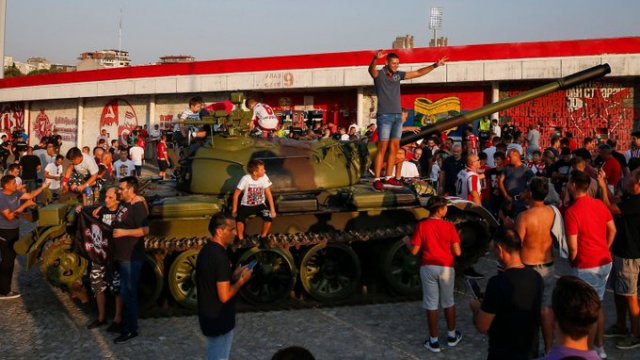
163,165
260,210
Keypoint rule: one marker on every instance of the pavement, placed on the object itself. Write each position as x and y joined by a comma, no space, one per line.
45,323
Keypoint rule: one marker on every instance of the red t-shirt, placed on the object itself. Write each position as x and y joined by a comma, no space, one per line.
485,184
162,148
588,219
613,170
435,237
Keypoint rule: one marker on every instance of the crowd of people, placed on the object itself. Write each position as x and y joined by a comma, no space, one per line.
585,200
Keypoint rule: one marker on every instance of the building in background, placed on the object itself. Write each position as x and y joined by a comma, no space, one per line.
103,59
403,42
175,59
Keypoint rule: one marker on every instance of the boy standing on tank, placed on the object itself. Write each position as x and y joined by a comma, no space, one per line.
438,242
256,189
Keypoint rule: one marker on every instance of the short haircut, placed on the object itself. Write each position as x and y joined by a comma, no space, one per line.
6,179
587,140
581,180
576,306
536,152
539,188
554,139
254,164
293,353
436,203
13,167
565,151
131,181
218,221
195,101
74,153
392,56
498,155
509,240
636,134
59,157
249,101
483,156
634,163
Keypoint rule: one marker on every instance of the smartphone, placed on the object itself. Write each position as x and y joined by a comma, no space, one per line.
252,264
475,288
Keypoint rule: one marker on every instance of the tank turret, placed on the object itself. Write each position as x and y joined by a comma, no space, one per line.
297,166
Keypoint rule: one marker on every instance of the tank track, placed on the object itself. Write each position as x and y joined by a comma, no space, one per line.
282,240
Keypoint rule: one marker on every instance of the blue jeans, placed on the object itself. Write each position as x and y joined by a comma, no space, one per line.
129,276
219,347
389,126
596,277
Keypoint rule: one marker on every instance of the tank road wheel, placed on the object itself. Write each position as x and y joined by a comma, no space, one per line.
62,267
330,272
474,239
151,282
273,277
182,279
401,269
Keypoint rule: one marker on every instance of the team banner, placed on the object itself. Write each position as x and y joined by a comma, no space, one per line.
92,239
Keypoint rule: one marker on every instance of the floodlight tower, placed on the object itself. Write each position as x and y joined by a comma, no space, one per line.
435,23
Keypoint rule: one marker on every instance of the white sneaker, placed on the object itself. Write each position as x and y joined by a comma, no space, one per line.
600,351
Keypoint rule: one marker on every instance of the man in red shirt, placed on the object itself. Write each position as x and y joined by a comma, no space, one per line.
611,167
439,242
590,232
163,157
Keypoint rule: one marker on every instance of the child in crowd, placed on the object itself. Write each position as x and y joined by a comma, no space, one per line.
438,243
435,169
256,189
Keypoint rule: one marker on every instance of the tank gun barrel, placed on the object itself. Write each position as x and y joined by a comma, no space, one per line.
559,84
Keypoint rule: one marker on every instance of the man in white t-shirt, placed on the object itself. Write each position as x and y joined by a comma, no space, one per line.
468,182
53,174
137,156
84,166
408,170
264,119
124,167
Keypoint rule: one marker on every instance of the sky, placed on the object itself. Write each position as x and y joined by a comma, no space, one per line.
225,29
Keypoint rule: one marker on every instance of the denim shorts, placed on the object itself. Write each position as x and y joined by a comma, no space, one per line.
596,277
389,126
437,286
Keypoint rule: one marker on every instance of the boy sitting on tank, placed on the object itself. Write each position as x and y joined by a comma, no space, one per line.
256,190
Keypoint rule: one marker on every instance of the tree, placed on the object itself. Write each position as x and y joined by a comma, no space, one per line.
12,71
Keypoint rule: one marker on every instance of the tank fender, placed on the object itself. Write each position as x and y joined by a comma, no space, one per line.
36,248
468,206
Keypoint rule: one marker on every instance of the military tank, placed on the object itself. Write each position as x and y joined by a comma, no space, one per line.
332,232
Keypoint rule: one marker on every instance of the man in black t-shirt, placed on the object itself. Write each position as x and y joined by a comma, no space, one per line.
217,286
30,166
626,258
129,229
451,166
510,309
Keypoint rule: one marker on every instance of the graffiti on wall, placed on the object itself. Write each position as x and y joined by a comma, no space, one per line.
11,116
67,126
595,109
118,117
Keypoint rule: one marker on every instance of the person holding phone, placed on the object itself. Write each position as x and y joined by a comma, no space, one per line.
510,309
217,286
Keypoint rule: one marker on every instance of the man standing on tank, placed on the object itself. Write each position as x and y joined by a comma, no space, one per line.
389,119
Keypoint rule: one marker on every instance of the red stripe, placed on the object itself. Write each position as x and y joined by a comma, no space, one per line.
569,48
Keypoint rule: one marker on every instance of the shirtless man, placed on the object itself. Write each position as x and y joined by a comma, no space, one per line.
534,227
